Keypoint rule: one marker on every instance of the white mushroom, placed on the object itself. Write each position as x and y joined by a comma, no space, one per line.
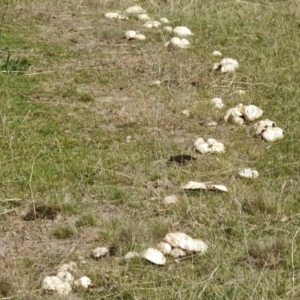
172,199
154,256
177,253
65,276
164,247
211,146
177,42
143,17
217,187
186,112
194,185
136,9
248,173
164,20
152,24
226,65
251,112
217,53
271,134
182,31
168,29
99,252
229,61
264,124
83,282
130,255
200,246
134,35
55,284
217,102
115,15
180,240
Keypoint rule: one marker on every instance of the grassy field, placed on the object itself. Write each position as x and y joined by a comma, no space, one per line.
72,92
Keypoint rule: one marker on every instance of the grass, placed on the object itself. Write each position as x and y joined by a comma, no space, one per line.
72,90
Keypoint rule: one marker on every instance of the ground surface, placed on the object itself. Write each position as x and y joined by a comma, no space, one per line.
72,90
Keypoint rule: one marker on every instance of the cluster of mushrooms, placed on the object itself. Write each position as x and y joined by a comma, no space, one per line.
180,32
64,280
175,244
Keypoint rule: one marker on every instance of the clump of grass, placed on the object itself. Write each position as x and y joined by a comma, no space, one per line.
63,232
267,252
6,287
87,219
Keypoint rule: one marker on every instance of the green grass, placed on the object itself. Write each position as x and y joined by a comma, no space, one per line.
72,91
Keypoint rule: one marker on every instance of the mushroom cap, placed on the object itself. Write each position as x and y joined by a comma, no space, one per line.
164,247
153,255
182,31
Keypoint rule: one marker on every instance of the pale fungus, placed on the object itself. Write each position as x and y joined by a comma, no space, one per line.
271,134
182,31
177,253
130,255
154,256
217,53
177,42
164,20
134,35
168,29
143,17
152,24
55,284
115,15
248,173
172,199
136,9
164,247
99,252
211,146
83,282
217,102
226,65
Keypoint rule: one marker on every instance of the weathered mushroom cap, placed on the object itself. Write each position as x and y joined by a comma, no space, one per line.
168,29
154,256
143,17
177,42
217,187
264,123
65,276
99,252
194,185
177,253
229,61
115,15
180,240
182,31
251,112
248,173
164,247
55,284
130,255
217,53
271,134
217,102
164,20
152,24
200,246
136,9
84,282
172,199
